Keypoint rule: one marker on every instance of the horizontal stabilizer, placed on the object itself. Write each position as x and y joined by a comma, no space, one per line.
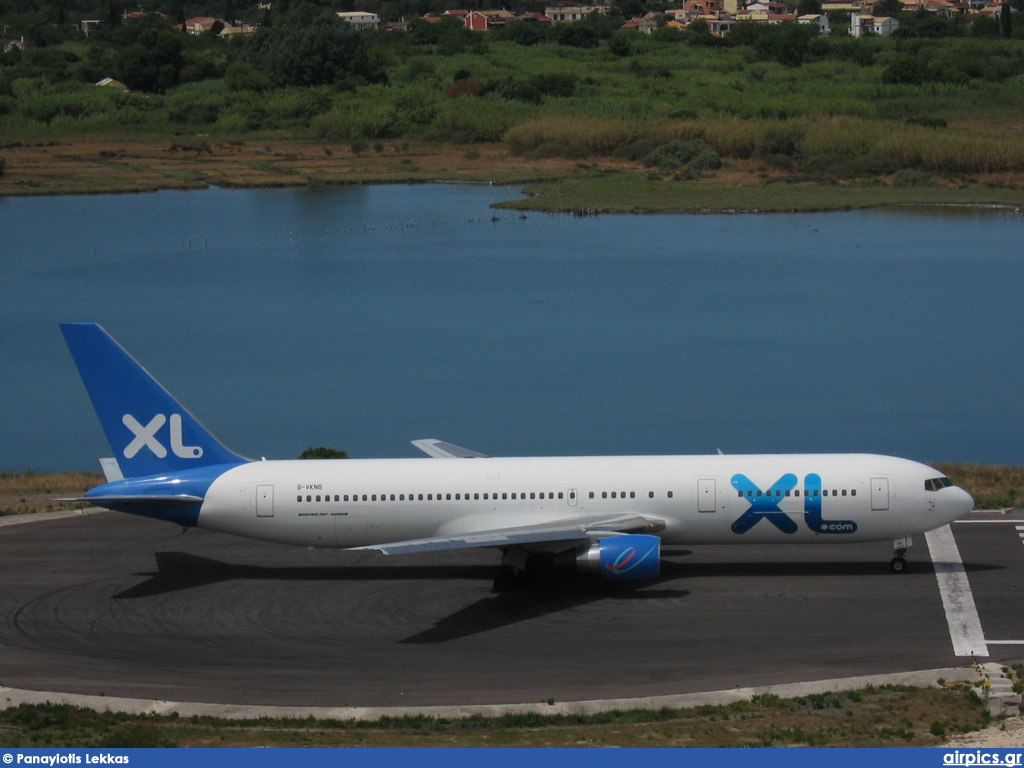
439,449
103,501
111,470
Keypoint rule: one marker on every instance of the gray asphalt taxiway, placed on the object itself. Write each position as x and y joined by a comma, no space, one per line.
122,606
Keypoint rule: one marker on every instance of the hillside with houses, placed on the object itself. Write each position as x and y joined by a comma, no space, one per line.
924,94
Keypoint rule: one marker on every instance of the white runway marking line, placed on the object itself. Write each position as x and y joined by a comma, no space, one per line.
957,599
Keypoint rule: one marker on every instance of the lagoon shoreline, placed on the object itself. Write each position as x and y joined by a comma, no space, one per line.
116,165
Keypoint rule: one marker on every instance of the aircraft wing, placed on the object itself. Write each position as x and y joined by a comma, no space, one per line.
439,449
569,531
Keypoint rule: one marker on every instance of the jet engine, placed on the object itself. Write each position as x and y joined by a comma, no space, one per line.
633,557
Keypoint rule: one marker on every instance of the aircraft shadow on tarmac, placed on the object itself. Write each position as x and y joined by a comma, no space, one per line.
177,571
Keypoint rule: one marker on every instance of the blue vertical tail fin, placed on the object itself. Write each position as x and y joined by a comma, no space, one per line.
148,430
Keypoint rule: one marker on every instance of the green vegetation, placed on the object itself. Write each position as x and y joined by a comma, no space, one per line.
27,491
321,452
885,716
938,107
990,486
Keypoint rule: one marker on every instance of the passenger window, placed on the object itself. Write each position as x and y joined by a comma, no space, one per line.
604,494
591,494
632,494
299,498
670,494
650,494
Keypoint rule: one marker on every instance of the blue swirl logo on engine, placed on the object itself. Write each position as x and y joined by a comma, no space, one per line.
630,557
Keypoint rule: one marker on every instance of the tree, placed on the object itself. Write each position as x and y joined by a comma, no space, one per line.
792,42
1005,21
808,6
321,452
887,8
153,63
240,76
324,52
523,32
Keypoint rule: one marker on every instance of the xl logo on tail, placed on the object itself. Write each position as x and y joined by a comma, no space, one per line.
145,437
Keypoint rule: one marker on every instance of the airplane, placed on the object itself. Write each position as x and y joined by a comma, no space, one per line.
607,515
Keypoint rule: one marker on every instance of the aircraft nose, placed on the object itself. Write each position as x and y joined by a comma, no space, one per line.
964,502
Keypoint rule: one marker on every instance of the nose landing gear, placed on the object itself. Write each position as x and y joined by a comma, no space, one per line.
898,564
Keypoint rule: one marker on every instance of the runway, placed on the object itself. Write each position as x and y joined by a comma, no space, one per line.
122,606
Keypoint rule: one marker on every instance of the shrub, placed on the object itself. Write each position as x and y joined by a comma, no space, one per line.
674,154
705,160
910,177
466,87
926,122
330,126
321,452
568,151
782,140
779,162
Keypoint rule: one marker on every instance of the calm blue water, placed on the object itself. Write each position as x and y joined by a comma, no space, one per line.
361,318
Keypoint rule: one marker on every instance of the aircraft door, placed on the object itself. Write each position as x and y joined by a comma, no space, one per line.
570,496
706,497
880,493
264,501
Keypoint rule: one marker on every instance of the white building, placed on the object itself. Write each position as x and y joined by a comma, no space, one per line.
861,24
564,13
360,19
819,20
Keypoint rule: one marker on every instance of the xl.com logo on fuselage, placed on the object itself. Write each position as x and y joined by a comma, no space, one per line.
764,505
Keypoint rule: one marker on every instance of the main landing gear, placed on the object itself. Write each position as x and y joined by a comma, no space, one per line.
898,564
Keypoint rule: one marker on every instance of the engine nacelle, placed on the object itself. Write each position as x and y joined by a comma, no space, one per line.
634,557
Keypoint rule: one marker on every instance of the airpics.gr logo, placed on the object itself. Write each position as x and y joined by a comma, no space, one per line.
145,437
764,505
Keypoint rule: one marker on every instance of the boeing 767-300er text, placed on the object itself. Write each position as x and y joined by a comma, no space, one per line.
606,514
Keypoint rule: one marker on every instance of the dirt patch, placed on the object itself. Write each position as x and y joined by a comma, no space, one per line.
91,165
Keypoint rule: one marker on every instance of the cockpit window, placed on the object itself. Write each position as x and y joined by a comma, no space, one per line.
937,483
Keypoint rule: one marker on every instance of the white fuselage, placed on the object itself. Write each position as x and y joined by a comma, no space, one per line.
701,499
